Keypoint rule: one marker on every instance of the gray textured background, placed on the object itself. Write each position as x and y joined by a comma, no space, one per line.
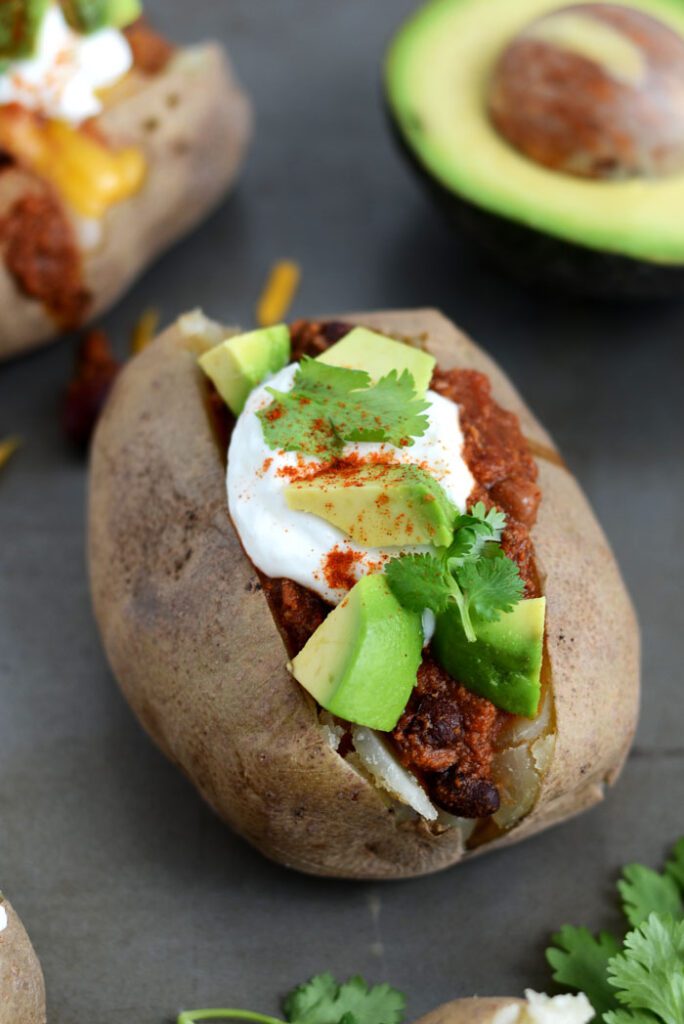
138,900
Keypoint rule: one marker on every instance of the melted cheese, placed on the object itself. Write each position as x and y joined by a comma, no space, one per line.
88,175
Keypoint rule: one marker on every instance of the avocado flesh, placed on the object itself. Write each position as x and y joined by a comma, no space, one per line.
20,23
367,350
240,363
504,663
437,72
361,663
91,15
379,505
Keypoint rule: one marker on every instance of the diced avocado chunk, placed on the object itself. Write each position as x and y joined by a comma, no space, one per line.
20,24
504,663
362,661
362,349
238,364
91,15
378,505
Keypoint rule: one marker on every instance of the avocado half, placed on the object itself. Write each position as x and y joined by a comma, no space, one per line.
614,239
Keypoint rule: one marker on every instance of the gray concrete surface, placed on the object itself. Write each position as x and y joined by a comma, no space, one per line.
139,901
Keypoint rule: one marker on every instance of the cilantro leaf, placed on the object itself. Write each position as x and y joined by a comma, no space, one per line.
580,961
491,585
674,868
472,531
644,891
330,405
494,520
388,411
419,582
296,424
629,1017
336,382
472,572
649,973
322,1001
301,1003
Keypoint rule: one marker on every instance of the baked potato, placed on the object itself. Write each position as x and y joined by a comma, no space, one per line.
22,991
534,1009
189,631
85,207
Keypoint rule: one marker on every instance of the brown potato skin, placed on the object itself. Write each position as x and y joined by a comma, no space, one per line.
469,1011
22,990
193,123
195,649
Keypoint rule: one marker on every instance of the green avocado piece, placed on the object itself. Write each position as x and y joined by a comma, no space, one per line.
363,349
20,23
362,661
541,224
504,663
239,363
91,15
379,505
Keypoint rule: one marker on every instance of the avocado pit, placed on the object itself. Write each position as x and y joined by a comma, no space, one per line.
593,90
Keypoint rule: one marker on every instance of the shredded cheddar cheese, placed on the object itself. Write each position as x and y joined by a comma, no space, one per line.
145,330
89,176
7,449
278,293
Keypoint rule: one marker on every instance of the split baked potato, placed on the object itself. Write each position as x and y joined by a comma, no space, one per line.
193,643
76,232
22,991
535,1009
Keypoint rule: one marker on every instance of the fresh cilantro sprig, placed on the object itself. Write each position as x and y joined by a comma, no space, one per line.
321,1000
329,406
641,979
473,573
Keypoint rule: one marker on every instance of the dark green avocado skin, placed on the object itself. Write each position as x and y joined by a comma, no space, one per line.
539,260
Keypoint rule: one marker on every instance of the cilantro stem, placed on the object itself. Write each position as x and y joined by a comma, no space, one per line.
460,602
190,1016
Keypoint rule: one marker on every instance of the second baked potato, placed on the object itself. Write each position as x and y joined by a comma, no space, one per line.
86,205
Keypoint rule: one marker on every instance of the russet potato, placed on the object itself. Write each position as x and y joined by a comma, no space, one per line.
22,991
192,122
193,644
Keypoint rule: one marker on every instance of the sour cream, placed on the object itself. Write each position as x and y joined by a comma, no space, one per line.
286,543
543,1009
3,918
62,78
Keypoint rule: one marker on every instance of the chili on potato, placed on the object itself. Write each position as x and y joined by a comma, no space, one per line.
447,734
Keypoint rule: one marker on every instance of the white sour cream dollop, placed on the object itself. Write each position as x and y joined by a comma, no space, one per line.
62,78
3,918
285,543
543,1009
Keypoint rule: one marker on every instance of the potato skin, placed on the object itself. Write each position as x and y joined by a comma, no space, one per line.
195,649
469,1011
193,123
22,990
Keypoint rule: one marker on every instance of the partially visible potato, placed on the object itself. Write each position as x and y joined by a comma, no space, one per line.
535,1009
22,991
192,122
476,1011
193,644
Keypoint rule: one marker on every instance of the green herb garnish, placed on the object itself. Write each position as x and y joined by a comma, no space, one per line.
329,406
473,573
641,980
322,1001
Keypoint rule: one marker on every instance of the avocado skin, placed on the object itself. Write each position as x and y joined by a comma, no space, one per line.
538,260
